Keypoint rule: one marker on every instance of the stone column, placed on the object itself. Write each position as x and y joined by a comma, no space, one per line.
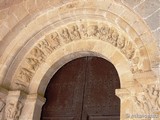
126,105
32,108
3,96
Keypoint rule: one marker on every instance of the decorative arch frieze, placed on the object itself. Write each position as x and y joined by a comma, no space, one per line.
73,32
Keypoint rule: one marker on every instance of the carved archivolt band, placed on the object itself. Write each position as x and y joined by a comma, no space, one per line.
69,33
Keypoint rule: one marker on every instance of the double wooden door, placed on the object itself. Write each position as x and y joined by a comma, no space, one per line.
83,89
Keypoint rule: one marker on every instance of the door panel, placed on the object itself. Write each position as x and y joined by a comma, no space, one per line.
101,82
83,89
64,92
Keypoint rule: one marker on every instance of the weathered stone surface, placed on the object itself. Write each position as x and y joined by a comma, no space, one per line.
147,7
154,20
131,3
3,30
157,35
40,33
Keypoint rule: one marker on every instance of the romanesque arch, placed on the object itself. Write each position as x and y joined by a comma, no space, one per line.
52,37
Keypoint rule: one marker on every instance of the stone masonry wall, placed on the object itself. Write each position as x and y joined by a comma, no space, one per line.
12,11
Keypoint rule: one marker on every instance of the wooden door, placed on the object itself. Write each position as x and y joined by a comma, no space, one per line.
83,89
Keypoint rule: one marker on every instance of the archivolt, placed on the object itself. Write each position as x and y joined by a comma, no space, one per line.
73,32
23,47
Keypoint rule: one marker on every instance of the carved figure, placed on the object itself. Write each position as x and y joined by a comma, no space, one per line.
13,110
25,75
121,42
148,100
18,110
93,31
103,31
129,50
83,30
53,40
114,38
45,46
109,35
9,110
39,54
142,103
33,63
65,35
153,97
74,33
136,65
138,103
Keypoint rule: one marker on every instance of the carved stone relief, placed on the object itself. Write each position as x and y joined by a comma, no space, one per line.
137,63
148,101
74,33
65,35
128,50
104,31
121,42
70,33
13,110
83,30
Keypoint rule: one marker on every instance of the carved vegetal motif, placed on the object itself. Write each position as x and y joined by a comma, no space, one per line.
13,110
74,33
148,101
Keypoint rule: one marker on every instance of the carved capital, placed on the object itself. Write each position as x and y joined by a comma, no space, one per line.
14,105
148,101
